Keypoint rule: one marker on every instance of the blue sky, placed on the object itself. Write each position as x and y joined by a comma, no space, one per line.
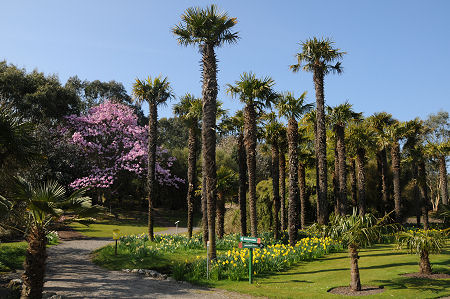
397,61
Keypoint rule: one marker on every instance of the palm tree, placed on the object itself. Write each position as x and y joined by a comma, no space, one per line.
380,123
282,146
316,57
339,117
355,232
207,28
396,131
423,243
273,130
360,139
292,108
256,94
155,92
190,111
43,203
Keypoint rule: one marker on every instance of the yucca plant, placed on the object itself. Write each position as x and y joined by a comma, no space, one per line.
355,232
43,203
423,243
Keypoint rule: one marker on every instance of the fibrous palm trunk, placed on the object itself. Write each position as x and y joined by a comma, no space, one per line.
220,211
337,200
152,138
275,190
302,185
423,192
283,189
382,162
321,146
361,162
340,145
355,282
34,264
209,96
204,211
292,136
250,146
352,172
395,156
416,193
443,179
424,264
192,176
242,184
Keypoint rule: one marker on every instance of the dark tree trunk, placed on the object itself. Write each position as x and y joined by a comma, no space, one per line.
353,182
395,156
340,144
209,96
382,160
302,185
34,264
361,164
321,146
220,211
423,192
337,200
192,176
242,184
424,264
283,190
355,282
276,190
204,211
416,192
250,146
292,136
443,179
152,138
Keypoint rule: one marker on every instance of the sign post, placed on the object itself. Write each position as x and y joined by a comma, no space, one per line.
250,243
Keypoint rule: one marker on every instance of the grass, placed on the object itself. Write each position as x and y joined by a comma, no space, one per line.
105,229
379,266
12,256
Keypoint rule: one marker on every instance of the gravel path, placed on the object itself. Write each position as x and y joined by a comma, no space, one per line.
71,273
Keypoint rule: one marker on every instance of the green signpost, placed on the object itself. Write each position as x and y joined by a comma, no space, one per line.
250,243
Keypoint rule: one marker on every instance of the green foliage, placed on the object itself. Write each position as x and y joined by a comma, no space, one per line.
417,241
12,256
264,203
156,90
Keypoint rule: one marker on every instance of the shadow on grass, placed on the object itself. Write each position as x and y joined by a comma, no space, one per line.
419,284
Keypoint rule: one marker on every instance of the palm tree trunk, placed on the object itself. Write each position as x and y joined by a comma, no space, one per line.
423,192
250,146
293,180
443,179
355,282
275,190
353,182
424,264
192,176
416,193
302,185
204,211
340,144
220,211
152,138
335,179
361,162
282,166
209,96
381,155
321,146
242,184
395,156
34,264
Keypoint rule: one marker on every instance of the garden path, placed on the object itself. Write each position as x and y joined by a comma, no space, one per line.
71,273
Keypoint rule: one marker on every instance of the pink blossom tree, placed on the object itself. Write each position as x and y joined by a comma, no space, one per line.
114,145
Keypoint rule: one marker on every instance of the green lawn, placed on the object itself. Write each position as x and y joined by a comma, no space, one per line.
379,266
104,230
12,255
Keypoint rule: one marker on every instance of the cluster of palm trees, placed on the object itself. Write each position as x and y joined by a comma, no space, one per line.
306,145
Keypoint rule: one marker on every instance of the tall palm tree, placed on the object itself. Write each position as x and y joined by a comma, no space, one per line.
282,146
292,108
155,92
360,139
256,94
207,28
339,117
190,111
43,203
273,130
316,57
380,123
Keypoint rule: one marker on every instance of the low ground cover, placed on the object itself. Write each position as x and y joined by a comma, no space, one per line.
12,256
